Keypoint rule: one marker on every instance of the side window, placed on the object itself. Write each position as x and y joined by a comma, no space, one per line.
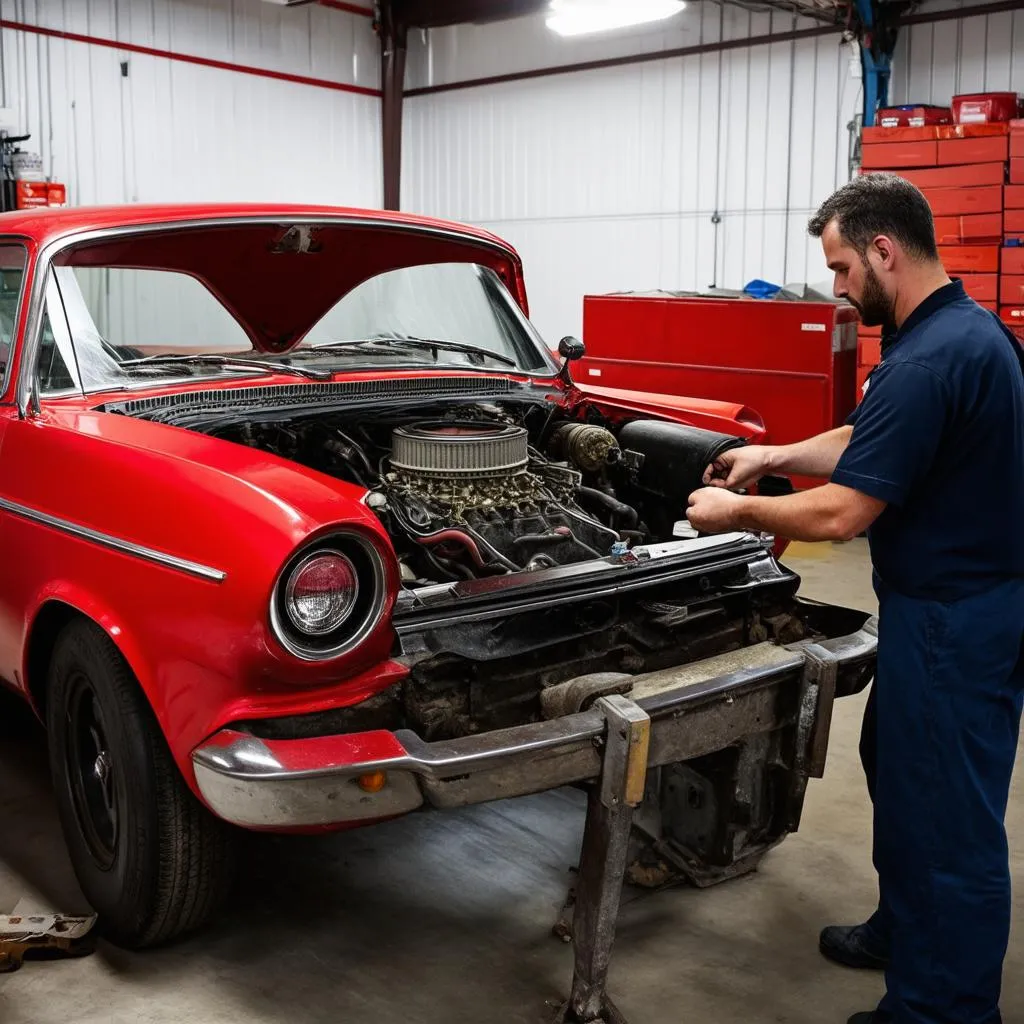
54,374
13,259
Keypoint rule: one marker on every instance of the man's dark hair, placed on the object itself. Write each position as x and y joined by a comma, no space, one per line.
879,204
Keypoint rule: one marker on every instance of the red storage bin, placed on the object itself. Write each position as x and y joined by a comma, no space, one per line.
792,362
869,351
913,117
1013,259
1011,289
876,133
949,202
981,287
970,259
1016,144
957,176
879,155
1013,220
974,151
1017,171
1014,197
972,108
973,229
972,131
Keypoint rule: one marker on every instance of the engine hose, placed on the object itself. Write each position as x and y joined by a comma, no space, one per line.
470,545
616,508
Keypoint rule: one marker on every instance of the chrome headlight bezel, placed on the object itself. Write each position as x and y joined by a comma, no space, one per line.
357,624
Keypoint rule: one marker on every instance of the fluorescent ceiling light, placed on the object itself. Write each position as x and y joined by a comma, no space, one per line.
579,17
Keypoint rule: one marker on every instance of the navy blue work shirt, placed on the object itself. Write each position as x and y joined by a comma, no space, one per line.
939,436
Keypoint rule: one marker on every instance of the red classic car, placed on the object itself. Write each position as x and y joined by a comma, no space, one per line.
304,527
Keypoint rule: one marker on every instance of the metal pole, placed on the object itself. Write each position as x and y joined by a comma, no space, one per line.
603,860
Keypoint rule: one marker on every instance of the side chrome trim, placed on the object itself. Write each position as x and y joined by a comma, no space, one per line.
126,547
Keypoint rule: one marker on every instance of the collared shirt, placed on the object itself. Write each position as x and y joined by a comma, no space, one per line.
939,437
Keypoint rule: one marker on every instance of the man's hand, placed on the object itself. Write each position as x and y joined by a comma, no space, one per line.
714,510
738,467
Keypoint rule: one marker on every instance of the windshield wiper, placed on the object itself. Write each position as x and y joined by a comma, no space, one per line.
227,362
409,341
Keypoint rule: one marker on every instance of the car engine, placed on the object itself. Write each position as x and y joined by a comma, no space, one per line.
476,489
479,501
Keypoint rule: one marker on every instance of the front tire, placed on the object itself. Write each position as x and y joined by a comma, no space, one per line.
152,861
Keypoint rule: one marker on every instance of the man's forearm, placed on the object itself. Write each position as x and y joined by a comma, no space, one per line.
822,513
817,456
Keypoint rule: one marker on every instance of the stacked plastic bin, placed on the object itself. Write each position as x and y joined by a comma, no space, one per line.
960,157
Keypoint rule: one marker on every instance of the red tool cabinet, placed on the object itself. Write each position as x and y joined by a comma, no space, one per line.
793,362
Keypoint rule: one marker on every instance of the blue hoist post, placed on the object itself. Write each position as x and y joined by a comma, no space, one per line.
876,49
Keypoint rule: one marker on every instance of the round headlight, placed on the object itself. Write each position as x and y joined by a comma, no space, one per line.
321,593
328,597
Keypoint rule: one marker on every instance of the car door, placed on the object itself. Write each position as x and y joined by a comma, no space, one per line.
13,266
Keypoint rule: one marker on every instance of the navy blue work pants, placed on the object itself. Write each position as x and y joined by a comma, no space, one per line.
938,747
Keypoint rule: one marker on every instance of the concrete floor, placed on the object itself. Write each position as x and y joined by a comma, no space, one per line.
445,918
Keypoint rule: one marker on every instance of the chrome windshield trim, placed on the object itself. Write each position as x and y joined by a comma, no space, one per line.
106,540
27,391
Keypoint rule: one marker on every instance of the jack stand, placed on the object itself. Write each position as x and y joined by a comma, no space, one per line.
603,860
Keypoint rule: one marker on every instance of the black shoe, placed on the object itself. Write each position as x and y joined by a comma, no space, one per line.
870,1017
854,946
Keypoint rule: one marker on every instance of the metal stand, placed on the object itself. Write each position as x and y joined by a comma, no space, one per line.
603,860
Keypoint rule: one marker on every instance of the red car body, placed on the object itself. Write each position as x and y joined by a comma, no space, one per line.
201,647
175,545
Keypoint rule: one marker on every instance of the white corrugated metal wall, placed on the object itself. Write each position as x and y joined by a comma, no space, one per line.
936,61
169,130
609,179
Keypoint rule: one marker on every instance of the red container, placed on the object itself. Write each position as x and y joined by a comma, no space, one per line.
30,194
1017,171
792,362
970,259
960,176
1016,144
1011,289
879,155
1013,220
876,133
56,194
974,151
913,117
972,131
981,287
869,351
974,108
953,202
975,229
1013,260
1014,197
1013,317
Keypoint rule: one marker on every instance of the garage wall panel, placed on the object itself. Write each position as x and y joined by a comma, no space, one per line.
170,130
612,179
980,53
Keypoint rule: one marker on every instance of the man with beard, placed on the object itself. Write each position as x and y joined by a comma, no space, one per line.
932,465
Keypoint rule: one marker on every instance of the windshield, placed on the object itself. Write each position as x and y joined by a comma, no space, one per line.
112,327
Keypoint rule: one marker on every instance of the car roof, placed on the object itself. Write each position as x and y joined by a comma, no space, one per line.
47,224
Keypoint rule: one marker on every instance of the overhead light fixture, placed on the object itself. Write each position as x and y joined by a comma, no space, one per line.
581,17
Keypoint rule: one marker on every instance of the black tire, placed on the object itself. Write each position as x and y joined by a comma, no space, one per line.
152,861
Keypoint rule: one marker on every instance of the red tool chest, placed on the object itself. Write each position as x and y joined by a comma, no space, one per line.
795,363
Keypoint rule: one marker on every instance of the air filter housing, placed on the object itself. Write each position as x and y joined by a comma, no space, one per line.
459,450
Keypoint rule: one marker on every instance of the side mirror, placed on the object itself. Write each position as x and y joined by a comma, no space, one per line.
571,349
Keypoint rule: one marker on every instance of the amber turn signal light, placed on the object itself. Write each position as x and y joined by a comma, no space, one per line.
372,782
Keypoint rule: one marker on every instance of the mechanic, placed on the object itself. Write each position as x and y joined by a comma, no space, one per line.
931,464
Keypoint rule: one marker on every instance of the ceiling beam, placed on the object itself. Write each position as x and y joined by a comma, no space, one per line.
438,13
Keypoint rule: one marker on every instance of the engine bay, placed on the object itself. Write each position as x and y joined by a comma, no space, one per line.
473,490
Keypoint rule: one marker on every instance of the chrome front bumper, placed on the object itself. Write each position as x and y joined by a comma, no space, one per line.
695,710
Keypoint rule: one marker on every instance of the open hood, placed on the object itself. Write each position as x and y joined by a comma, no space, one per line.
278,278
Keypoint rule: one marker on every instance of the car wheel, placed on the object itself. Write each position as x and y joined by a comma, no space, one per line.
152,861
